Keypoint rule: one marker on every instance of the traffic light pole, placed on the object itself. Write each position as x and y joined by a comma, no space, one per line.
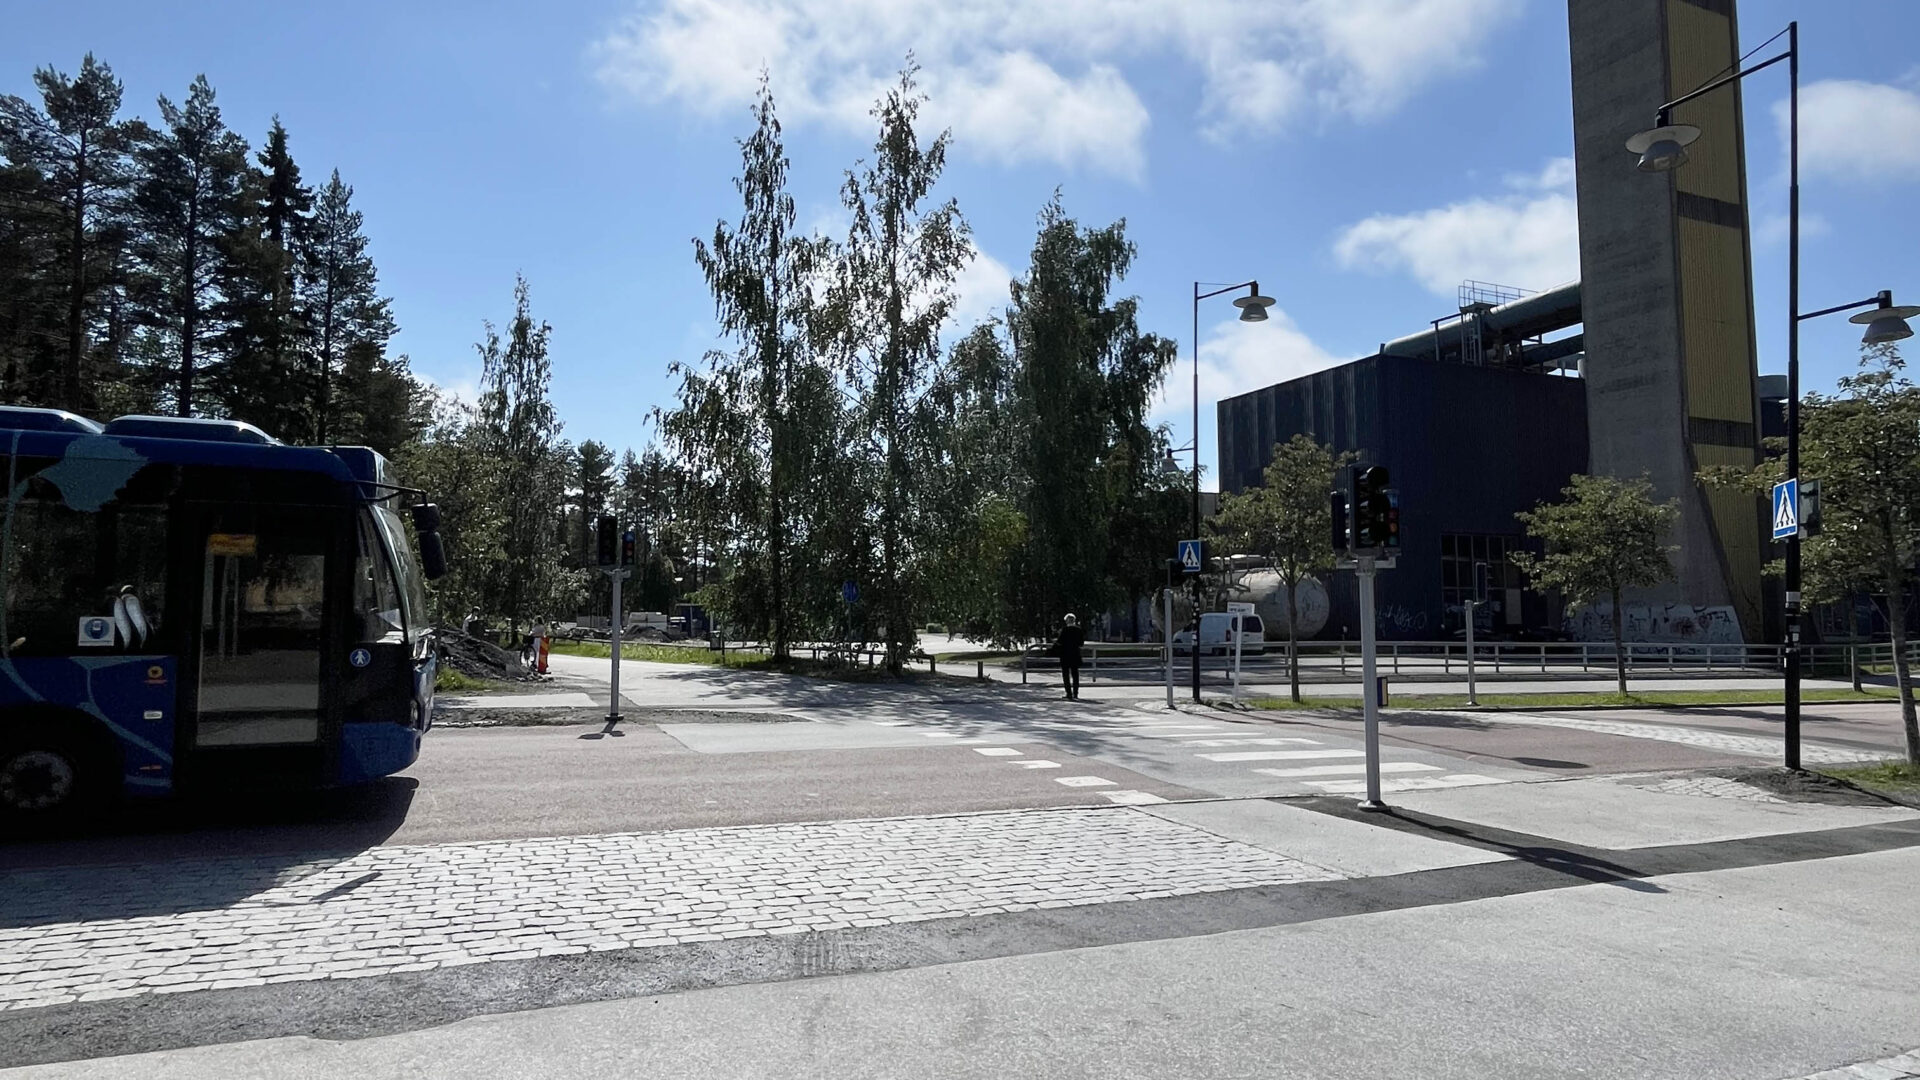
1370,687
613,706
1472,698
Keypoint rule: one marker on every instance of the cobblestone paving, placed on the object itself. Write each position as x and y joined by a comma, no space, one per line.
101,932
1817,753
1712,787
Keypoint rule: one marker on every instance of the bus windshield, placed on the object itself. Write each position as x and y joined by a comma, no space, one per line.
412,583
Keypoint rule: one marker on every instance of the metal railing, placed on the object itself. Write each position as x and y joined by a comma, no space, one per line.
1322,661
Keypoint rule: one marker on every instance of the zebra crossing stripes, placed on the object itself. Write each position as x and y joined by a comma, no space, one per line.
1411,783
1342,771
1279,755
1349,770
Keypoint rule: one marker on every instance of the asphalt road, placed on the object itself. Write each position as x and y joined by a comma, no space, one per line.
1284,987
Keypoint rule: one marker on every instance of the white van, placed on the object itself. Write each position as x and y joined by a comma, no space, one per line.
1216,634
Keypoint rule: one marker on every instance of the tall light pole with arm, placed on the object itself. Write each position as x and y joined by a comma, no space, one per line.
1253,308
1663,148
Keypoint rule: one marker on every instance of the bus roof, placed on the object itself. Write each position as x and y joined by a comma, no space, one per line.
178,441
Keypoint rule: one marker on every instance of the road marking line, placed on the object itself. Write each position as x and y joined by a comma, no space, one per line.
942,735
1253,742
1082,781
1210,733
1349,770
1280,755
892,723
1412,783
997,751
1132,798
1031,764
1176,727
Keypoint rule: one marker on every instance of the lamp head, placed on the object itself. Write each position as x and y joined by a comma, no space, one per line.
1885,323
1663,148
1253,307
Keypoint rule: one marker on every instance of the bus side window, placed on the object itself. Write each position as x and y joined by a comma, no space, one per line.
66,568
376,597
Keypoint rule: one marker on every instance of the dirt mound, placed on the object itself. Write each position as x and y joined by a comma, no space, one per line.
481,659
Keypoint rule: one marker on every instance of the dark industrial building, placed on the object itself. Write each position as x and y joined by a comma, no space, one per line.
1492,408
1473,420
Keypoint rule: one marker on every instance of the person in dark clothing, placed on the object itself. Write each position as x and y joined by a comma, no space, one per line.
1068,649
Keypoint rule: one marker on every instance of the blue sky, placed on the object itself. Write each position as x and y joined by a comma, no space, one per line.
1337,150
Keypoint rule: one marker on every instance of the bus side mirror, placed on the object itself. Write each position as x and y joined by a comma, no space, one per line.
433,555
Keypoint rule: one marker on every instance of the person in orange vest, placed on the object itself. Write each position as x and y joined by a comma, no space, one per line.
540,645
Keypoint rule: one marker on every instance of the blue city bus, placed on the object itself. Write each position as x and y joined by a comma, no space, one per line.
192,604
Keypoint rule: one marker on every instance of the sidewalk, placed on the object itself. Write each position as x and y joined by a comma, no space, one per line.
1534,961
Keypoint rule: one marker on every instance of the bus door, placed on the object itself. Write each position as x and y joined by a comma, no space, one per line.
263,630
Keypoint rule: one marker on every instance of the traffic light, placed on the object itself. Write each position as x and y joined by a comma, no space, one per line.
1372,508
606,538
1342,537
1809,508
626,549
1390,538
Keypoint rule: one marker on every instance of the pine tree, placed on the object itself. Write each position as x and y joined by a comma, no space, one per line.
258,377
339,295
62,206
186,207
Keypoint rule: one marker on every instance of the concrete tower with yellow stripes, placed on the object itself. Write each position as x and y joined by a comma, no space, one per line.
1666,270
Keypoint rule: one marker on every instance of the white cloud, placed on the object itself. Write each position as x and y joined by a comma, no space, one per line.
1555,175
462,389
1237,357
979,293
1530,239
1039,80
1853,130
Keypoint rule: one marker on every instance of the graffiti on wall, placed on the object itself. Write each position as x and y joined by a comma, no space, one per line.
1680,623
1398,619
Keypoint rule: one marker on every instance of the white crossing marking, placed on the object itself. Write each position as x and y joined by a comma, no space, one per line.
892,723
997,751
942,735
1253,742
1176,727
1132,798
1210,733
1082,781
1411,783
1030,764
1349,770
1280,755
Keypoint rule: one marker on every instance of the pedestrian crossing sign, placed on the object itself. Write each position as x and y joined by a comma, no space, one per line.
1786,509
1190,556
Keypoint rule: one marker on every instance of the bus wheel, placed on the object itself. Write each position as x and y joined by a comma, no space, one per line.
45,777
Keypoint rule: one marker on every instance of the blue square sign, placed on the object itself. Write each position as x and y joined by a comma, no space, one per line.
1189,556
1786,509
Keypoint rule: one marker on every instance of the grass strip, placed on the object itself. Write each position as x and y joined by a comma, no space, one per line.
1894,779
1652,698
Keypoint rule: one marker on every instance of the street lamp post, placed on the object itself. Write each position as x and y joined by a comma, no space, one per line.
1253,308
1663,148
